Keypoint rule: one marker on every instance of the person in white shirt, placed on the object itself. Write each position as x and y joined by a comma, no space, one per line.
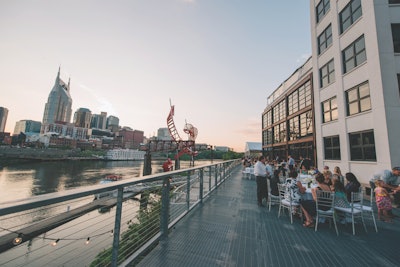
260,172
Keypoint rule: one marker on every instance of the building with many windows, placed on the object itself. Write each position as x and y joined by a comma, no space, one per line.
82,118
59,103
287,121
356,73
3,119
342,107
99,121
27,126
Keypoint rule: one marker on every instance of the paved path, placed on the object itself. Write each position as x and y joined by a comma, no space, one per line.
229,229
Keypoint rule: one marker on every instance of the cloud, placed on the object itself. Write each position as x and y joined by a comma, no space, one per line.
303,58
103,104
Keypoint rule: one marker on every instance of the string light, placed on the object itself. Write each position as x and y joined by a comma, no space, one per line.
55,242
17,240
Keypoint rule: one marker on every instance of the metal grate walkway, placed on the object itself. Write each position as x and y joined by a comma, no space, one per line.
229,229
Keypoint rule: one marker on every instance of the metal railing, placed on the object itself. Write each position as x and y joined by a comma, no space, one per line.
110,224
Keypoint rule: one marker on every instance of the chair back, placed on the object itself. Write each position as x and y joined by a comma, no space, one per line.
357,197
282,190
325,200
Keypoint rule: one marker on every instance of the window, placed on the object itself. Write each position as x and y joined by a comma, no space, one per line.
394,2
398,81
299,99
362,146
349,14
330,110
306,124
396,37
322,8
327,74
267,119
354,55
332,147
325,39
280,133
358,99
279,111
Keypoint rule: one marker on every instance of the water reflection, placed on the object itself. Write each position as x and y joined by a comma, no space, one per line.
30,179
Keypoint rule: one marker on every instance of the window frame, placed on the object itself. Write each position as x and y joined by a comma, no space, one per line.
325,39
329,68
359,150
329,151
330,110
352,53
353,15
321,9
358,100
395,27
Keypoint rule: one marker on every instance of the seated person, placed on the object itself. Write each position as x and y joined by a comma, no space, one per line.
309,206
273,182
294,187
353,185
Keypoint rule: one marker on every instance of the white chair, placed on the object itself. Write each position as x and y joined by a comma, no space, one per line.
286,202
369,210
355,210
325,208
272,199
246,173
252,173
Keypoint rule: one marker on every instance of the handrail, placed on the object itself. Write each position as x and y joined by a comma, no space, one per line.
193,185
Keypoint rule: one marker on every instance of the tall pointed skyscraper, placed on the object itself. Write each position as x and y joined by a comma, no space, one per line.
59,104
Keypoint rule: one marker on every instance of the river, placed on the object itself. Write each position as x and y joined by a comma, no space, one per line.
31,179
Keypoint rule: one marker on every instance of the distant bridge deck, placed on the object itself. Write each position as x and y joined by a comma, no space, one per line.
229,229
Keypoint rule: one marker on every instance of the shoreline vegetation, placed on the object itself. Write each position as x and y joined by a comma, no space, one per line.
16,155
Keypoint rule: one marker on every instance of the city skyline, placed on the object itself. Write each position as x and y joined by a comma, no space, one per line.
217,62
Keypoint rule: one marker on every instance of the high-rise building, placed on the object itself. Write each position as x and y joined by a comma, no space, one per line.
163,134
82,118
99,121
59,103
3,119
27,126
112,123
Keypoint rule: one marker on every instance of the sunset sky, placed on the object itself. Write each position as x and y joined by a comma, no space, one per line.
216,60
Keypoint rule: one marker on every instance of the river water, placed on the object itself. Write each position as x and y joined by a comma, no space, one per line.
30,179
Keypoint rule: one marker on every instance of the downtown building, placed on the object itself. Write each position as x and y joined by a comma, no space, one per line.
355,81
3,119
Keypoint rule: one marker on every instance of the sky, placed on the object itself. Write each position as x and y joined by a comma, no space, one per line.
216,61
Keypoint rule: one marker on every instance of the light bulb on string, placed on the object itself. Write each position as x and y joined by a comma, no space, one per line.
87,241
17,240
55,242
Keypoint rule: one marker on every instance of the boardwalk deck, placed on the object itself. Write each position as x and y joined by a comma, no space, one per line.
229,229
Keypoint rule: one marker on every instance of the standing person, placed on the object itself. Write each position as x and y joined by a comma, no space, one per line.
390,182
167,165
260,172
290,163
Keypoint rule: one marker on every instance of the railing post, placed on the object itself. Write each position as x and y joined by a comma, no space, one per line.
164,208
209,178
117,228
201,185
224,169
216,175
188,190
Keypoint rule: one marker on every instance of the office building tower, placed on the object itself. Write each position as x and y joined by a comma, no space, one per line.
59,103
82,118
27,126
99,121
3,119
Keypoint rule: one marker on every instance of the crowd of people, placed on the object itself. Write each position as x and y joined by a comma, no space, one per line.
384,184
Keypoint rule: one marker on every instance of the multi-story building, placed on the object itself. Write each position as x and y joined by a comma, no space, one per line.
3,119
287,121
99,121
27,126
82,118
163,134
130,138
356,70
59,102
112,123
